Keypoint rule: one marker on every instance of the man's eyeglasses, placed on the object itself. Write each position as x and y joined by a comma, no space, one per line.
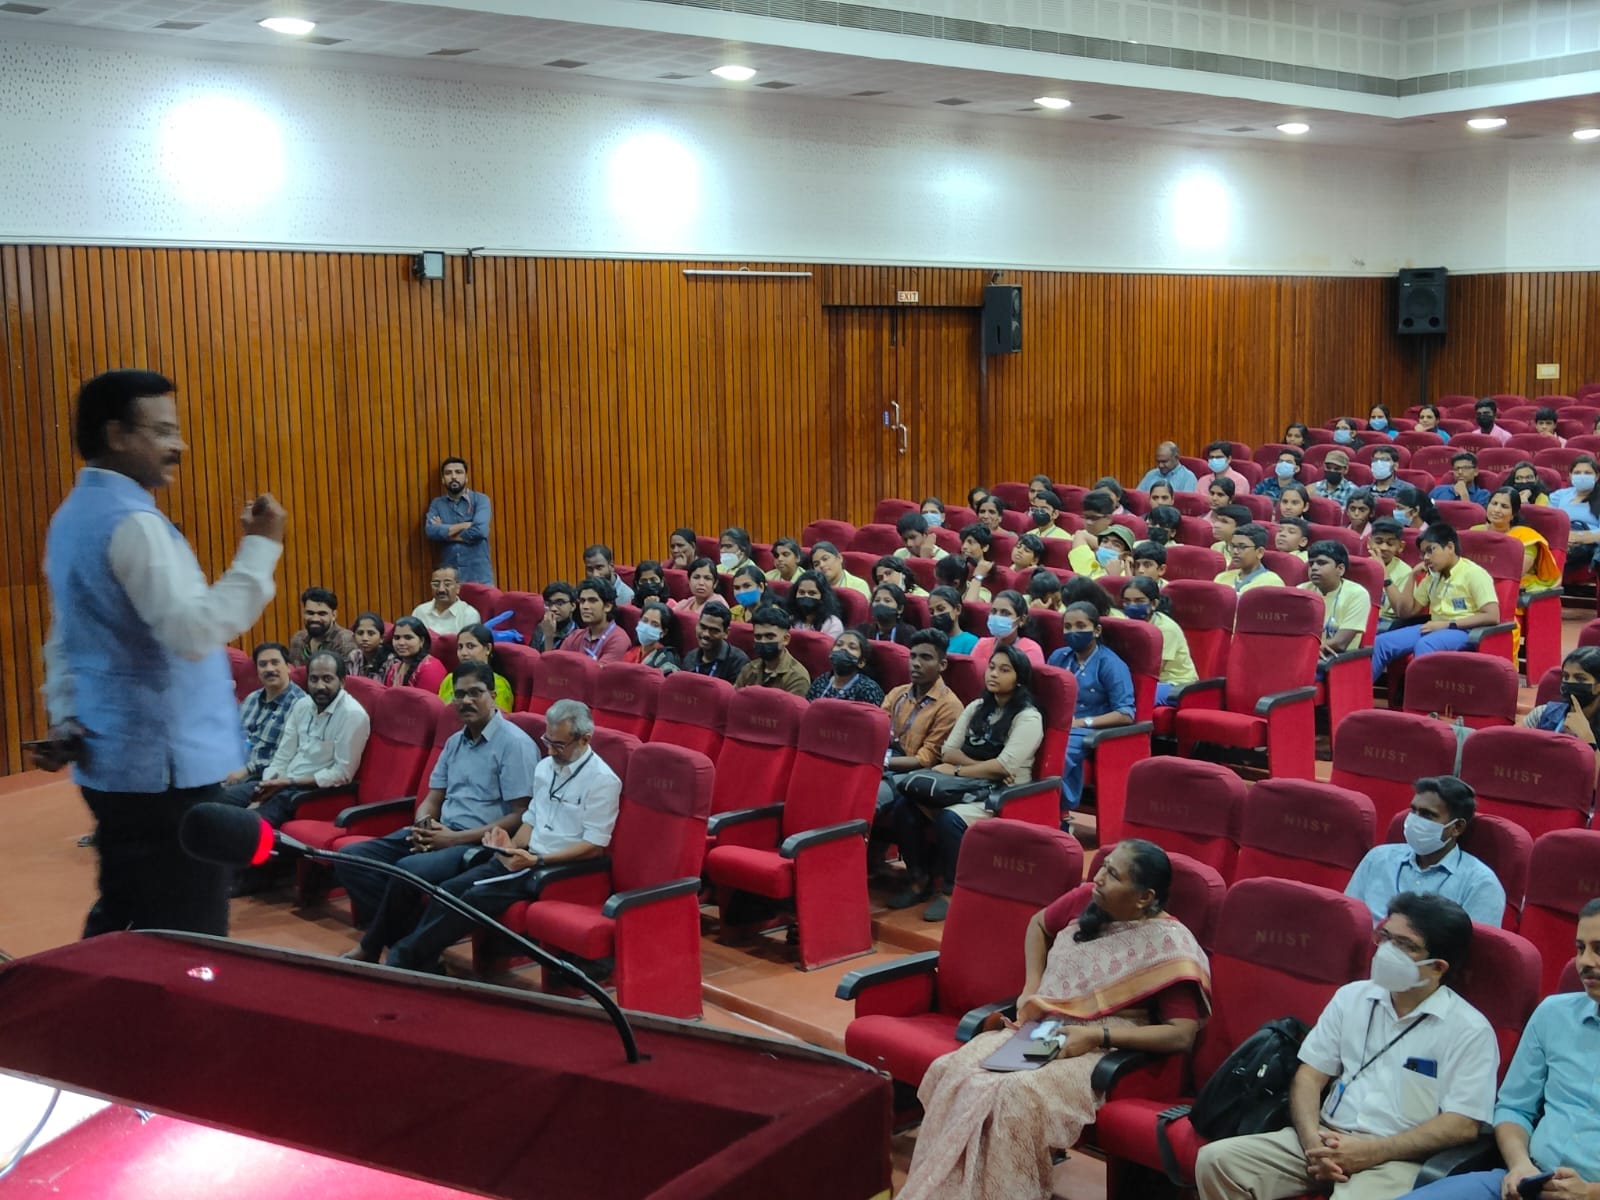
555,747
164,433
1380,935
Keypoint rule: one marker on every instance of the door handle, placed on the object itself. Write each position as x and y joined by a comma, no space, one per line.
895,404
901,430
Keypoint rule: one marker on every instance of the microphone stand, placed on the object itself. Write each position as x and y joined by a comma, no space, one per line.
540,955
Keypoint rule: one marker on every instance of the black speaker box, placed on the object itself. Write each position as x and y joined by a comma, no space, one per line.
1002,319
1420,300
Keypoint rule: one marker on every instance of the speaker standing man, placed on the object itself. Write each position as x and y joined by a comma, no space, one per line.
136,680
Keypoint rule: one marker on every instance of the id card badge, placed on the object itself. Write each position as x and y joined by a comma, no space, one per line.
1334,1099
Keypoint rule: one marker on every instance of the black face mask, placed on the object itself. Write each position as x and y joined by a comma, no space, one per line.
768,651
945,623
1041,517
1581,692
885,614
1334,478
1486,421
807,604
649,591
843,662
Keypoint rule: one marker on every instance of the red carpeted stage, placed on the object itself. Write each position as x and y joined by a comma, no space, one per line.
462,1086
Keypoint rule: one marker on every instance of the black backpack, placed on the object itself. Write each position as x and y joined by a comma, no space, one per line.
1248,1093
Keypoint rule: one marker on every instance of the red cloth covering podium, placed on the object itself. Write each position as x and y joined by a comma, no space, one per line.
487,1090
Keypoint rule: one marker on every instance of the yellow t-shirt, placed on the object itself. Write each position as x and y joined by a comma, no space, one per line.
1055,531
1262,578
938,553
1347,607
847,580
1395,573
1082,560
1469,589
1176,665
502,691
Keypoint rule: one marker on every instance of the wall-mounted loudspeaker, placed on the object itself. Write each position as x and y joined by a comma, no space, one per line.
1002,319
1420,300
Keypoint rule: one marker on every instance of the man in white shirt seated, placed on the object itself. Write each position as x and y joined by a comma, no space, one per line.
570,817
1431,858
447,612
323,739
1397,1068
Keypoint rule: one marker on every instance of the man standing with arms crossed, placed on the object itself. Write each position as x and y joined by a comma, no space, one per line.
136,681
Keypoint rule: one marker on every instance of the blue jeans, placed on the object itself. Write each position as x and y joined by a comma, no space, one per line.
440,927
1072,770
388,905
1163,695
929,848
1411,640
1476,1185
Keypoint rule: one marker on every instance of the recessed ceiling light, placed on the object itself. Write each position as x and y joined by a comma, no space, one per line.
1586,135
293,26
1294,128
1486,123
1056,102
734,74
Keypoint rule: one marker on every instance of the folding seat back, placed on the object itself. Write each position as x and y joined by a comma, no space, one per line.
1007,871
1526,445
1248,467
926,572
811,649
1473,440
1205,611
443,647
890,509
625,697
837,767
1301,829
859,563
916,613
627,618
877,540
297,676
243,669
527,610
1266,454
615,749
487,599
854,608
1542,781
1501,845
1551,524
1290,568
1503,458
1186,806
1192,504
563,676
1382,754
1276,637
369,692
1460,515
839,533
1367,453
1055,691
889,663
1343,534
1480,689
1015,495
1192,563
761,728
1260,506
959,516
1435,460
1501,979
403,726
520,666
688,633
1195,531
677,580
691,710
1559,459
964,677
661,828
1563,876
1418,439
1045,628
1137,643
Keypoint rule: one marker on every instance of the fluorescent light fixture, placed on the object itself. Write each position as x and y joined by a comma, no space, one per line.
1294,128
734,74
293,26
1586,135
1054,102
1486,123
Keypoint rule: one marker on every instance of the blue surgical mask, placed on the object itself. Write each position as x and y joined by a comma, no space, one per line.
647,634
1080,639
1379,423
1582,482
1001,626
1382,468
934,519
1106,555
1343,436
1217,463
1284,470
1136,612
748,597
1405,515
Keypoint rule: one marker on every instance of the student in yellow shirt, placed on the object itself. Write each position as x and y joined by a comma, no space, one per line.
1345,600
1456,594
1248,544
1142,601
1385,544
1046,512
1150,561
1112,554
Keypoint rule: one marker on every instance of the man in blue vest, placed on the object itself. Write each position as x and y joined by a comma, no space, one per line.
136,681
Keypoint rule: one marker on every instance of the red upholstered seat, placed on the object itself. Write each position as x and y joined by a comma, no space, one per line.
1501,845
813,844
963,676
639,903
1282,948
527,610
243,668
1542,781
907,1012
877,540
563,676
1193,563
1300,829
1055,691
811,649
1045,627
625,697
615,748
839,533
1382,753
690,712
1265,701
890,509
1186,806
1195,897
532,724
889,663
1205,611
1501,980
760,734
1109,754
1501,555
1480,689
1563,876
486,598
1290,568
366,692
520,666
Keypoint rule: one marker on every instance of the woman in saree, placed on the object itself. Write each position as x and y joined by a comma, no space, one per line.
1539,569
1121,974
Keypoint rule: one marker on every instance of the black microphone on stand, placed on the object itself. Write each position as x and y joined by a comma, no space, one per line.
237,837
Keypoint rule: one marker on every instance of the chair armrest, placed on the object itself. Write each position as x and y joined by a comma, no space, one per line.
1094,737
1267,703
539,879
858,981
739,816
796,842
1527,597
637,897
1113,1065
999,798
1202,693
972,1022
1364,652
376,808
1475,636
1480,1154
1200,685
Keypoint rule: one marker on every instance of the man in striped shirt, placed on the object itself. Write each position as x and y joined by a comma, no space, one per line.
262,716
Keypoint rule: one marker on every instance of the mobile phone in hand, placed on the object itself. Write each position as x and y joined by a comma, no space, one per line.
1530,1187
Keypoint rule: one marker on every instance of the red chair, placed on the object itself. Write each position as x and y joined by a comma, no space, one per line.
1191,564
1501,980
854,608
1186,806
520,666
1109,754
1551,524
1503,458
1366,454
910,1011
1460,514
637,904
1542,781
811,649
1559,459
1195,898
1038,802
1503,846
563,676
625,698
889,663
814,850
757,754
487,599
1290,568
877,540
1282,948
1343,534
1562,878
616,749
527,610
889,510
1480,689
1300,829
297,675
243,668
1435,460
964,678
1500,554
1417,439
1266,700
1381,754
367,692
1205,611
1528,444
840,533
691,711
441,645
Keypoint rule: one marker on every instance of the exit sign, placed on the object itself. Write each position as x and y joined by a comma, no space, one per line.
907,297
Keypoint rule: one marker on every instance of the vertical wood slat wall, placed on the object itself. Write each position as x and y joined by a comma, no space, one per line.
611,400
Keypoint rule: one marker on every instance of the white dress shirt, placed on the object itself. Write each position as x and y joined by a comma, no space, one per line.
167,589
1445,1060
325,746
452,620
572,805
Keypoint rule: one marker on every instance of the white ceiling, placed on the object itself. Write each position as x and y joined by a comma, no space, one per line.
665,64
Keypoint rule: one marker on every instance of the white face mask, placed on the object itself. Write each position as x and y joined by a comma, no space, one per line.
1395,971
1425,837
1582,482
934,519
1382,468
728,561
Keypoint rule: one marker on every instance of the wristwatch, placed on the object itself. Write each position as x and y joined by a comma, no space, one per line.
1452,624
